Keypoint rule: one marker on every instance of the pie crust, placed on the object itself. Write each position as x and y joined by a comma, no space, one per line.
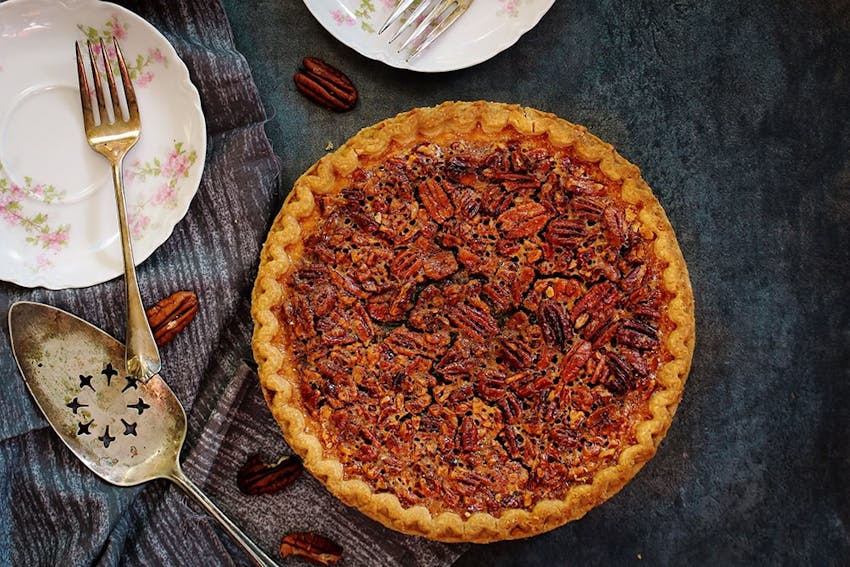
643,400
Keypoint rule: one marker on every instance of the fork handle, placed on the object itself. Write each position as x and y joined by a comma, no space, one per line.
142,353
252,549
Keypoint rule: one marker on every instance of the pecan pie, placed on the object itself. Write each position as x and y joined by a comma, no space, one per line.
473,322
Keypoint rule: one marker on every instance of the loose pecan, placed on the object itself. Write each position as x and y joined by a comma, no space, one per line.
602,330
564,437
315,548
534,387
325,85
172,315
523,220
585,186
257,477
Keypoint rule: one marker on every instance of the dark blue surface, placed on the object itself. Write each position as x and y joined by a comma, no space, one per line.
738,114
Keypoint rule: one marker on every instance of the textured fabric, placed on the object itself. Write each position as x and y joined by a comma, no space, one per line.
53,511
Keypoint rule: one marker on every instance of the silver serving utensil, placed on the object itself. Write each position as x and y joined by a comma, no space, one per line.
125,430
113,140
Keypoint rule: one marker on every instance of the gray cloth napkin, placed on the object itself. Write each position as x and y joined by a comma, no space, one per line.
53,511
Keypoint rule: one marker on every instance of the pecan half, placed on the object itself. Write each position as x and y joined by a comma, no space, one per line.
524,220
468,434
638,334
574,360
516,354
566,232
553,322
171,315
314,548
474,321
256,477
436,201
325,85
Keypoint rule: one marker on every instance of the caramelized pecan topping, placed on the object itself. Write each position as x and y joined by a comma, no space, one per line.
477,327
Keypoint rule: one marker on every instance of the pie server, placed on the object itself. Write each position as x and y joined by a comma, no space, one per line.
126,431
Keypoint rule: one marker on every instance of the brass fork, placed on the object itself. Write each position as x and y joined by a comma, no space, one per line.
440,15
113,140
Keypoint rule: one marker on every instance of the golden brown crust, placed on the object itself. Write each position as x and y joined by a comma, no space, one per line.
483,120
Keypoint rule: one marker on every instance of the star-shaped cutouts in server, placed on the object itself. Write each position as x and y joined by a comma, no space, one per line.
109,372
75,405
106,438
131,383
86,381
90,427
84,428
129,428
139,406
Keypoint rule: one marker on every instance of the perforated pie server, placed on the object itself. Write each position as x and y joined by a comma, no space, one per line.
126,431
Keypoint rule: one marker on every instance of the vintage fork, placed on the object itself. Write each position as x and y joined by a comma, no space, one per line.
113,140
442,14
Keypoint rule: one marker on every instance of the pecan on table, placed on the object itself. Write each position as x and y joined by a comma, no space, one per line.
312,547
257,477
325,85
171,315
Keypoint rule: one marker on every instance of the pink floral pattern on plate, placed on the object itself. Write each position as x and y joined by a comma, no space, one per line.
510,8
139,69
15,213
363,13
168,172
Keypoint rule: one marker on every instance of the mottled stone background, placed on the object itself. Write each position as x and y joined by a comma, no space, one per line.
738,114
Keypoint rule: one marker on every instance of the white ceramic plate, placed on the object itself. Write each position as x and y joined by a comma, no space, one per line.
487,28
58,218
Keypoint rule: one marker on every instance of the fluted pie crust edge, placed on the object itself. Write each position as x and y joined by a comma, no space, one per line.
279,380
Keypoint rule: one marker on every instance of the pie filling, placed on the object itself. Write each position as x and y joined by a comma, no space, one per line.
476,326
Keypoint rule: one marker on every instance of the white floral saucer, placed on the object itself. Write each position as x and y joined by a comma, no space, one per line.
58,219
486,29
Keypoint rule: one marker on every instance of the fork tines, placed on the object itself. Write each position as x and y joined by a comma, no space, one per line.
430,24
85,92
